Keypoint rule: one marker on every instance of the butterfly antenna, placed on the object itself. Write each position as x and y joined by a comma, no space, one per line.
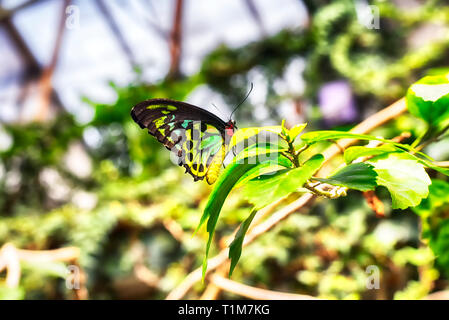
216,108
247,95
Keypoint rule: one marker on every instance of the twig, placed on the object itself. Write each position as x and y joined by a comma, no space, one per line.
439,295
63,254
255,293
443,164
10,258
174,228
255,14
365,126
146,275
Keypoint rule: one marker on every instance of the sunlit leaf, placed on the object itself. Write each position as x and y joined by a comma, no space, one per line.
247,133
265,168
259,152
316,136
296,130
235,249
428,99
405,179
353,153
243,163
269,188
435,224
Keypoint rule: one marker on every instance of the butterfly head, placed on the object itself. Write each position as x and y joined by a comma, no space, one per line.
230,128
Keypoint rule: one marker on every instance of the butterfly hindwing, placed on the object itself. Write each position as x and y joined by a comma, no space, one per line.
196,136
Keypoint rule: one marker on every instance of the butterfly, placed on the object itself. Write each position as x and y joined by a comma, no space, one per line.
198,138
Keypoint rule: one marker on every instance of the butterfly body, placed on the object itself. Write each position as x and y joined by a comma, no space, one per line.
197,137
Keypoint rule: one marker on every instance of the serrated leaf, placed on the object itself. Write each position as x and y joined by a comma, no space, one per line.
235,249
406,179
353,153
359,176
266,189
438,197
316,136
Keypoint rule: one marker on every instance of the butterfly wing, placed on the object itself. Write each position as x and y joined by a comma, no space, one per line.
194,135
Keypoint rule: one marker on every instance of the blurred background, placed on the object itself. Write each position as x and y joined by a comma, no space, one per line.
77,173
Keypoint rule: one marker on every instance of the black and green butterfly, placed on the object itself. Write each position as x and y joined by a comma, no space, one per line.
198,138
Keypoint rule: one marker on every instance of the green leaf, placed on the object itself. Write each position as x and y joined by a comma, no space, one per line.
435,224
268,188
440,245
235,249
438,197
428,99
259,152
241,165
405,179
246,133
430,165
264,168
222,188
316,136
359,176
354,153
295,131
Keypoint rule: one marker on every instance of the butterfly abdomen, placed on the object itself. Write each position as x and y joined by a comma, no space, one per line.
215,166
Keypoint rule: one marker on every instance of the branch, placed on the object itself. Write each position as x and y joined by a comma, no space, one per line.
8,13
443,164
372,122
45,81
33,69
255,293
175,41
117,33
255,14
10,258
439,295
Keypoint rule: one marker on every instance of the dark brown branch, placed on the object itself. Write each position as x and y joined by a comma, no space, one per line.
117,33
33,69
176,41
45,81
7,13
255,14
32,66
253,292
